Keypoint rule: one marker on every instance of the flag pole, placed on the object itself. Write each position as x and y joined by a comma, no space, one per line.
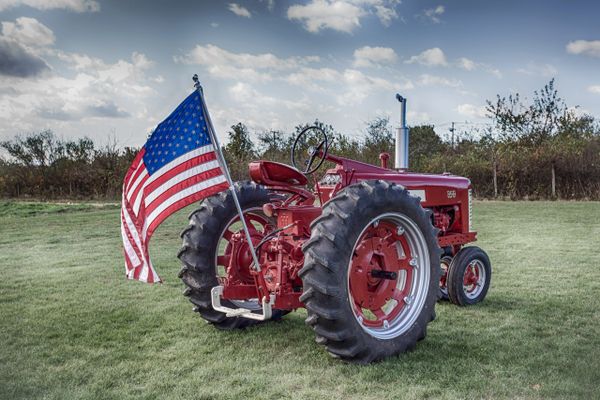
221,159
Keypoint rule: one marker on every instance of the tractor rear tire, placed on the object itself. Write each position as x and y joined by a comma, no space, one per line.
200,242
330,255
459,292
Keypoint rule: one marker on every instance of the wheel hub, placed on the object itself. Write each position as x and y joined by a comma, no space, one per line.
472,277
380,274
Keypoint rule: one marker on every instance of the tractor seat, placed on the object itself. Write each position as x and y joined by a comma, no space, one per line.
272,173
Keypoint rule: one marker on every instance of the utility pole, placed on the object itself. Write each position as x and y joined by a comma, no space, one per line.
452,132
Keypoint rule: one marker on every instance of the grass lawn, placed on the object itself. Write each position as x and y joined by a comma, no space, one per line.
71,326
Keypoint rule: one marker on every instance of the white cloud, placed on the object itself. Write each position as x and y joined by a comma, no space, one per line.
436,57
21,46
97,91
29,32
466,64
418,117
308,76
430,57
370,56
434,14
260,111
494,71
586,47
324,14
71,5
246,94
121,82
433,80
358,86
240,11
545,70
471,111
341,15
346,86
470,65
594,89
386,14
270,4
214,55
214,24
225,64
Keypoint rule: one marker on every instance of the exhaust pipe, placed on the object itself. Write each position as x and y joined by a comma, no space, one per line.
401,159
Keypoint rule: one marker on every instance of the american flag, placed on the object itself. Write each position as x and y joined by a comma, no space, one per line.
177,166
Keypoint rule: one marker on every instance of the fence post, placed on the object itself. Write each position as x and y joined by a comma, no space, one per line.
553,181
495,175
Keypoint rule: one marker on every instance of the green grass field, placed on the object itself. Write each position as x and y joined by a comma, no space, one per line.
71,326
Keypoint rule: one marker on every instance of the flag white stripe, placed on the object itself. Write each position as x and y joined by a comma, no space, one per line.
143,276
137,181
134,233
155,276
128,183
178,196
131,254
187,156
179,178
166,168
138,196
138,202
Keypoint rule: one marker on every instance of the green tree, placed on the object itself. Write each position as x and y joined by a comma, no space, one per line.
239,145
239,151
424,143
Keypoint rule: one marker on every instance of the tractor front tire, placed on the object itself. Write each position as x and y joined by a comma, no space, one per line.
200,244
343,301
469,276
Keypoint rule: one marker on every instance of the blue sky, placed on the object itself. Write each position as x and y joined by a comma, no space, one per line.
115,69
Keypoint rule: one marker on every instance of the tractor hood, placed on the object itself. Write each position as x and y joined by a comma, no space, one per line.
363,171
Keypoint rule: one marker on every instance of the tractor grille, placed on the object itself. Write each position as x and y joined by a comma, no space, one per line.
330,179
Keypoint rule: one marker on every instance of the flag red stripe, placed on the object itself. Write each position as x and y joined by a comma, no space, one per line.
134,170
137,271
184,202
140,170
201,159
211,173
128,264
130,239
137,192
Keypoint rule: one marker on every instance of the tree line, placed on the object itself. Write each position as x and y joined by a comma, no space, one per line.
537,149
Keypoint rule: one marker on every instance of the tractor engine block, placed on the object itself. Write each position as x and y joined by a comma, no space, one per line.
282,256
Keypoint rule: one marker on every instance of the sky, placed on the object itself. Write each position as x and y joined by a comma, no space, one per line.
112,70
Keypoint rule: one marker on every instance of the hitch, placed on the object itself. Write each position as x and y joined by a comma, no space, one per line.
267,306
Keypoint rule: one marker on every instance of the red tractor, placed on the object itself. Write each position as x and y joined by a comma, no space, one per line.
361,251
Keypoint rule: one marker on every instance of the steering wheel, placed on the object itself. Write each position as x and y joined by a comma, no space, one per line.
311,144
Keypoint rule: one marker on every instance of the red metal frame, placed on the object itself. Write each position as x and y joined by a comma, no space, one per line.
281,255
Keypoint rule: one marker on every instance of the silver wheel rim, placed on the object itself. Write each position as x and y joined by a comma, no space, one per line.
419,285
470,292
